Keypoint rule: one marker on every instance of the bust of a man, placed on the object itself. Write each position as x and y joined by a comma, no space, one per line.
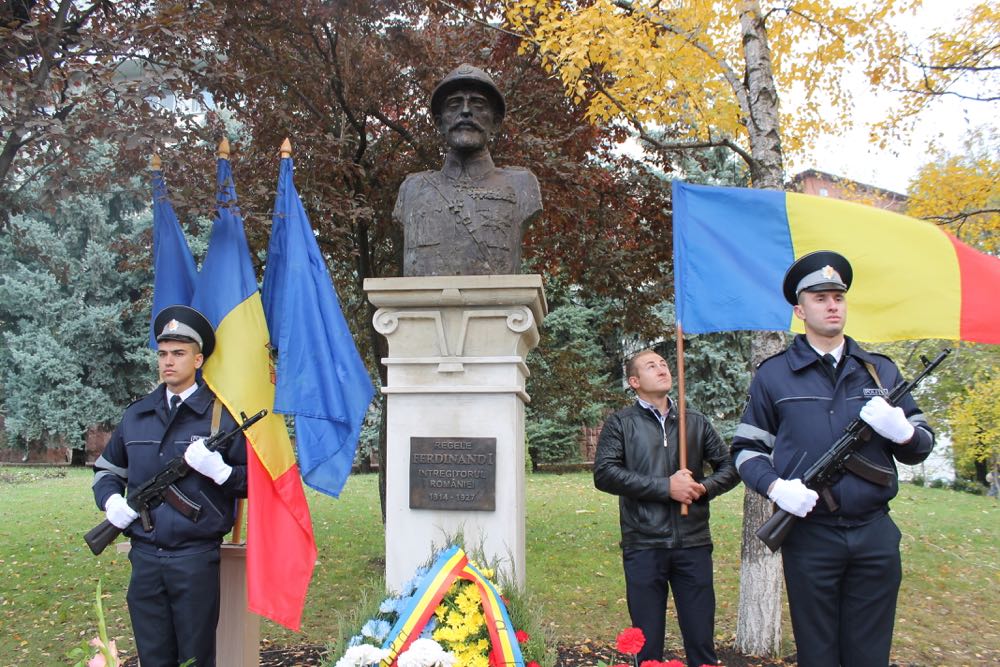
469,217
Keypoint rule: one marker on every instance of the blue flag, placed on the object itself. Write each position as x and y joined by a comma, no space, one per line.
174,272
321,377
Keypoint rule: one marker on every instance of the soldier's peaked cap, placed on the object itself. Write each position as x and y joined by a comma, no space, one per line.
463,76
185,324
823,270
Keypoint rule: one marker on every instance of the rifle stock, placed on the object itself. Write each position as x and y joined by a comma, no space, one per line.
774,531
100,536
161,487
819,476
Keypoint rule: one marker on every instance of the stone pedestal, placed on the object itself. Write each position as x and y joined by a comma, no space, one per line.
455,393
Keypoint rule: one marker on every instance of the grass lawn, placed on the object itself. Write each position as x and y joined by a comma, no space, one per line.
946,613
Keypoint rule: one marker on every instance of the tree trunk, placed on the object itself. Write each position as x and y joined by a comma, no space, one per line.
758,626
766,169
758,622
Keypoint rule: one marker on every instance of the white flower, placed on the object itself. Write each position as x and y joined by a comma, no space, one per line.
362,655
426,653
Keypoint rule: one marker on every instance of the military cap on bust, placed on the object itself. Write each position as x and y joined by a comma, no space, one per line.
463,76
820,271
186,325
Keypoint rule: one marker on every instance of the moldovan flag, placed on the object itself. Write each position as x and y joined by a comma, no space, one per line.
281,550
912,279
174,272
321,377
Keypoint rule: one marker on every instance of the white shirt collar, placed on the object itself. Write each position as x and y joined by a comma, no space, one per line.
185,395
837,352
656,410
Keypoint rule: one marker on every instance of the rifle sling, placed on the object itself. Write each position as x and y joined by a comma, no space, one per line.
869,471
871,371
861,466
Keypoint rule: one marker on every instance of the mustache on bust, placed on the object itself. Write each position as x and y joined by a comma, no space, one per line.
467,124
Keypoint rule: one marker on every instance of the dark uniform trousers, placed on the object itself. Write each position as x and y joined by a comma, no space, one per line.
649,574
846,578
160,586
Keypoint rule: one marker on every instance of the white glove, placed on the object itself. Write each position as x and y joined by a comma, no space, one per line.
208,463
118,511
793,496
887,421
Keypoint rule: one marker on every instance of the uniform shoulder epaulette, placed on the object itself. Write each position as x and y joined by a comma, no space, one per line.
776,354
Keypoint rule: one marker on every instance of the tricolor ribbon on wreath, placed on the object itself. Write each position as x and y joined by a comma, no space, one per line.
454,564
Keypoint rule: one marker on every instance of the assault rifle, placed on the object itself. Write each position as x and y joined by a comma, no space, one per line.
842,456
162,487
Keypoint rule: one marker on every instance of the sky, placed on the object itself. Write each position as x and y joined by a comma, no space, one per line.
945,123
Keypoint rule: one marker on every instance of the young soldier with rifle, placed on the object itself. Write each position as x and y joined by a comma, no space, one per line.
173,595
841,561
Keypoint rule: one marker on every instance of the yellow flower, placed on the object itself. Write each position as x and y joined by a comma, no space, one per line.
468,600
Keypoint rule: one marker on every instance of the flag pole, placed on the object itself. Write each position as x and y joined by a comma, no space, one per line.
681,416
236,537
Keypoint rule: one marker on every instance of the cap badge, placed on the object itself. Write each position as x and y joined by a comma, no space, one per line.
828,272
172,326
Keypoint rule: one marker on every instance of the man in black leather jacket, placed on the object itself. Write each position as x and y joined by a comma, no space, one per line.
637,460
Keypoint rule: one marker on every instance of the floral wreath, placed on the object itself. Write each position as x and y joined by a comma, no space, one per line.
450,613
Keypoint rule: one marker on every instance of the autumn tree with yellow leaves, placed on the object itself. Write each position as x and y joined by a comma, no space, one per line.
712,72
975,423
962,191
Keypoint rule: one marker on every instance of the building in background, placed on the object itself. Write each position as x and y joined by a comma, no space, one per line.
822,184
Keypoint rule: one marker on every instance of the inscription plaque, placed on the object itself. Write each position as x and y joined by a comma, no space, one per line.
453,473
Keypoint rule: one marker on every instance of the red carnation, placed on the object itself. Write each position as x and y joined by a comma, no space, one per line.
630,641
521,636
532,664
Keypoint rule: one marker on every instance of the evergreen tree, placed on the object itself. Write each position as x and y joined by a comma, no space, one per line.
570,386
74,312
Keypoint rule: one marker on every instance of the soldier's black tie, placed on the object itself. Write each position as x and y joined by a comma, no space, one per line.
175,402
830,366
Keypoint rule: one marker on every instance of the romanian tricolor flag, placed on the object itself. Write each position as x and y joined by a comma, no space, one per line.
912,279
281,551
450,565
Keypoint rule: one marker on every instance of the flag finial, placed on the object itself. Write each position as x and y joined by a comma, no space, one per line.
286,148
224,149
154,162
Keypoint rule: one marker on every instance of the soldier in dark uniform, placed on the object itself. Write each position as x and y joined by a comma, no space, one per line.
470,217
173,595
842,567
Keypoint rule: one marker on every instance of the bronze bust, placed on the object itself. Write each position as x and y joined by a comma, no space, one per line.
469,217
